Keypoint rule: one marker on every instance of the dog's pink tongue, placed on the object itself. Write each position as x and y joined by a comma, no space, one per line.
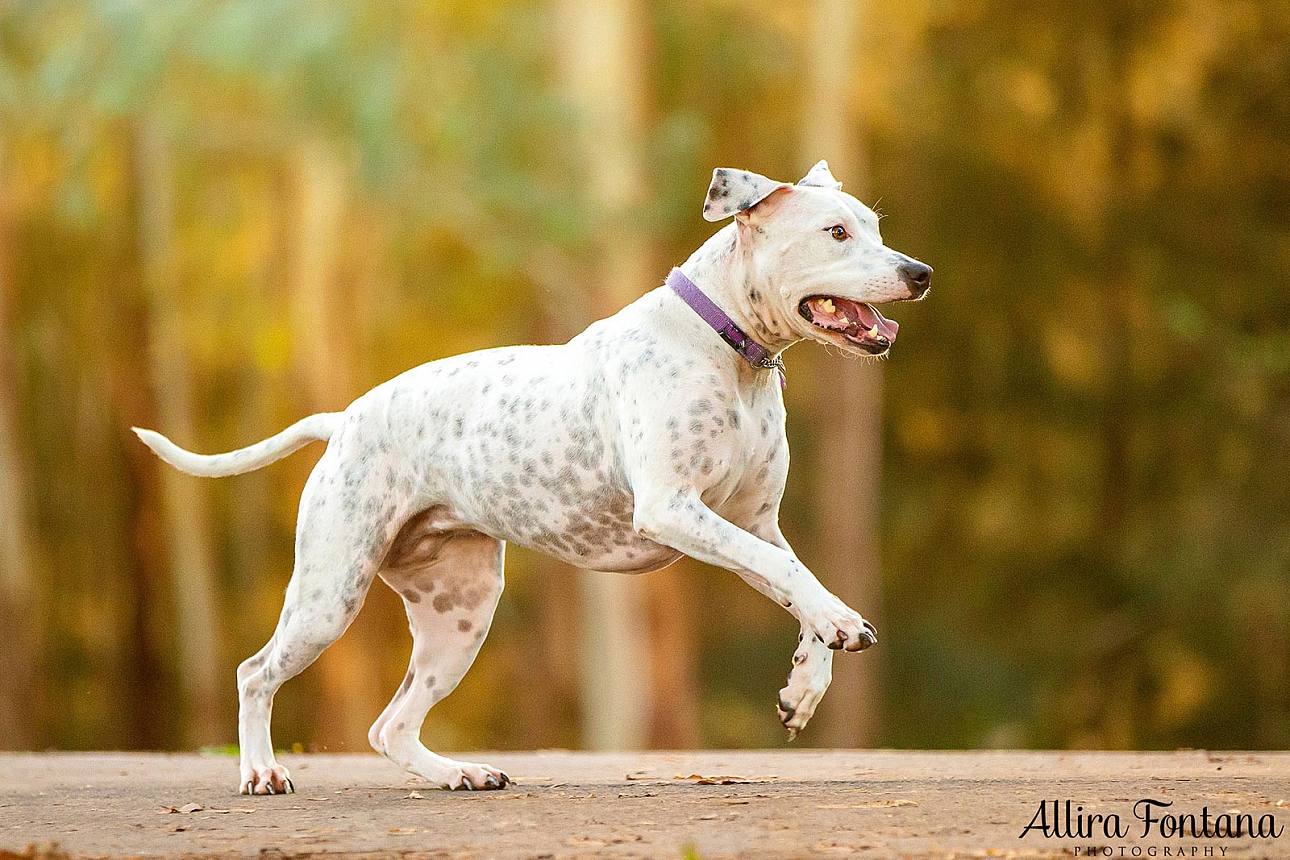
869,317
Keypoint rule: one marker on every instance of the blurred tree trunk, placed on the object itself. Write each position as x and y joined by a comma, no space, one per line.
848,452
21,657
320,340
185,505
1123,716
673,606
349,674
604,74
1121,29
554,714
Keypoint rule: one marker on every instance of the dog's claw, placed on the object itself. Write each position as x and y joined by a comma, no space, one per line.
866,639
466,785
506,780
291,787
786,714
492,782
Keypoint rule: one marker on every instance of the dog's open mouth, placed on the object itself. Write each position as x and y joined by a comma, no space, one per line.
857,322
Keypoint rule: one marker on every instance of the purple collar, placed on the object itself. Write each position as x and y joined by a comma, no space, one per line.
753,352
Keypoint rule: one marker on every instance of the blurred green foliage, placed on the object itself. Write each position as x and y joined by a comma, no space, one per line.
1086,540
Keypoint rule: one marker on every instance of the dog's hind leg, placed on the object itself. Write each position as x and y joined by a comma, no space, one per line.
339,545
450,590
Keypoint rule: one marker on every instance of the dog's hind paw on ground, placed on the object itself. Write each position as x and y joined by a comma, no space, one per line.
464,776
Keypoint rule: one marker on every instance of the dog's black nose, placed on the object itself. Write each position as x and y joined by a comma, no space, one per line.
917,275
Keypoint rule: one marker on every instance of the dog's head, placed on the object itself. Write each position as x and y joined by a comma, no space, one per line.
815,253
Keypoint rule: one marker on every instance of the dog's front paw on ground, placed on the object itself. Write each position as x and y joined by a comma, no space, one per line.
270,779
473,777
807,683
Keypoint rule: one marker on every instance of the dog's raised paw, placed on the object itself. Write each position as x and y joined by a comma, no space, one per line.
841,628
805,687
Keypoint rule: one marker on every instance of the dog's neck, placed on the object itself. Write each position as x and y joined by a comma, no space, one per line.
723,270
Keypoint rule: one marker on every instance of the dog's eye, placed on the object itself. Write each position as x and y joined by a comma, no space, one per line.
837,231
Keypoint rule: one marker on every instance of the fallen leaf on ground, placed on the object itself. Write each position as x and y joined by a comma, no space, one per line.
699,779
834,847
585,841
187,807
601,842
869,805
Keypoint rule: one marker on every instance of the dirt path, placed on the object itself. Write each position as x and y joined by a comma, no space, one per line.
787,804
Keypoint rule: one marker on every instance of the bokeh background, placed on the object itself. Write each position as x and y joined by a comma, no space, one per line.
1064,498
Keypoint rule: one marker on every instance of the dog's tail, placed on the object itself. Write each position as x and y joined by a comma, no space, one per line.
315,428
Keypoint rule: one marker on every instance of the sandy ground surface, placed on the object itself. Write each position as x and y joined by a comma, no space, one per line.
773,804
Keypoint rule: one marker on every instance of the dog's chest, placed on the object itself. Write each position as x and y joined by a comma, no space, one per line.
728,444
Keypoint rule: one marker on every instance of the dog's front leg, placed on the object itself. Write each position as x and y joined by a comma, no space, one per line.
678,518
807,682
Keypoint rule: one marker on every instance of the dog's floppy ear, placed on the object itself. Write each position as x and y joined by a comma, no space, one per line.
821,177
734,191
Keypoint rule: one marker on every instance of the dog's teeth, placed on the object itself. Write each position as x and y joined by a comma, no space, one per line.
827,306
873,332
843,319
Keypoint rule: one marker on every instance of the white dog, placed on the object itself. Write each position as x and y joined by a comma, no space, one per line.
656,432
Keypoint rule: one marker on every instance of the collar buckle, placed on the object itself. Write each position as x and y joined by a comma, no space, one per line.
734,336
